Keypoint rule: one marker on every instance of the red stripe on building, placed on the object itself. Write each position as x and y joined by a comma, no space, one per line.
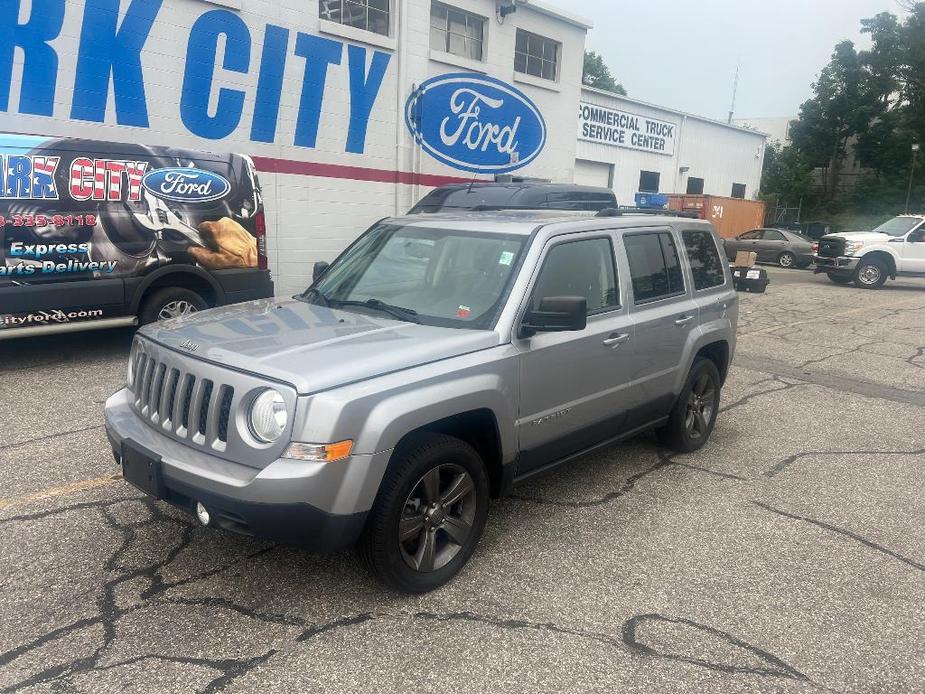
352,173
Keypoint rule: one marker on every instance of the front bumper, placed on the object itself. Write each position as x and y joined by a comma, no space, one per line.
322,506
841,265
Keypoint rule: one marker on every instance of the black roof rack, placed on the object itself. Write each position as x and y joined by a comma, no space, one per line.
620,211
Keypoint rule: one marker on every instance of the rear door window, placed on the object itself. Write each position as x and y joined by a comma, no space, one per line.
702,254
655,268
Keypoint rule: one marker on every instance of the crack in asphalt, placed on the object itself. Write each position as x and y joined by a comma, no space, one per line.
784,464
776,667
842,531
56,435
108,611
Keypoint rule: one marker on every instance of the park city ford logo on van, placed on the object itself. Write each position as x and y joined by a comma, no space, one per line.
475,123
186,184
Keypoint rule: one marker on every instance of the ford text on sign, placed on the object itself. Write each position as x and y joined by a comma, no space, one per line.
475,123
622,129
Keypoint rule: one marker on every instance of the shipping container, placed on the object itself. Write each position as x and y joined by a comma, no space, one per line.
730,216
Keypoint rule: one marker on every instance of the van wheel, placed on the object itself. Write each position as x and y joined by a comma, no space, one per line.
170,302
870,274
694,414
428,516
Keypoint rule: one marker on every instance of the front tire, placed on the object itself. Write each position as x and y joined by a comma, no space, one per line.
694,414
840,279
428,516
870,274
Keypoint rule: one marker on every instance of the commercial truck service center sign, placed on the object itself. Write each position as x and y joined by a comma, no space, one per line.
607,126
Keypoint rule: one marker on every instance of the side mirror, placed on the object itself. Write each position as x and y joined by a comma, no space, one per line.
318,270
556,314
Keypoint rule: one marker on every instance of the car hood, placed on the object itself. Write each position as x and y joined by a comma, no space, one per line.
863,236
312,347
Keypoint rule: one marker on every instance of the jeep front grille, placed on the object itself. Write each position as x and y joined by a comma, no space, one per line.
189,407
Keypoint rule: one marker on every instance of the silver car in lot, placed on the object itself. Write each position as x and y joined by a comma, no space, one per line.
780,246
436,363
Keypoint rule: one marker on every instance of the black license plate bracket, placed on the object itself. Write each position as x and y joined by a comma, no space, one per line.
142,469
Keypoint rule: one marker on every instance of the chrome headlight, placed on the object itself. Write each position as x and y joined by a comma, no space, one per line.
853,247
267,418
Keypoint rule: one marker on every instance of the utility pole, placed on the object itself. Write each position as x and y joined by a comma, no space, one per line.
735,88
915,152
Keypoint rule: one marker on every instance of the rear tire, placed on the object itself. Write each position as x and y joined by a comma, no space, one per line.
435,496
787,259
694,414
870,274
840,279
170,302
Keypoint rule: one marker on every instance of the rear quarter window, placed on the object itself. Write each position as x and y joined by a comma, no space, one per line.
702,254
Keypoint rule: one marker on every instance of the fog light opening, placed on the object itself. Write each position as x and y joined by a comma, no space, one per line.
202,513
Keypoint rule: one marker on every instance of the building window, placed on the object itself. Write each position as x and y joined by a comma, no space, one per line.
695,186
457,32
648,181
537,56
738,190
368,15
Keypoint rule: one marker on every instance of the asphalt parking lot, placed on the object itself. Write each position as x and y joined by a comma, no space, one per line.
787,556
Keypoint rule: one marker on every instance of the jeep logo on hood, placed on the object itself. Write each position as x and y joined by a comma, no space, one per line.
475,123
186,184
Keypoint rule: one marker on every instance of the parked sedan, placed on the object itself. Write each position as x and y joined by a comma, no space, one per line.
786,248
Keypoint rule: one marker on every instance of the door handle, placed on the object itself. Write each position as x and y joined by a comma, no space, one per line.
683,320
616,339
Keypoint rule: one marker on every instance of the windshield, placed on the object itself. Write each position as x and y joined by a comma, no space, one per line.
448,278
898,226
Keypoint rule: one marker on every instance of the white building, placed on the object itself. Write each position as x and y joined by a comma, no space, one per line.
632,146
777,128
351,109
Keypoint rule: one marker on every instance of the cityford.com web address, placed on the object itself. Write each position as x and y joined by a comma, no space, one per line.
44,317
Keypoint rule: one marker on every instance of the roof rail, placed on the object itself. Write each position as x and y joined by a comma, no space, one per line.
619,211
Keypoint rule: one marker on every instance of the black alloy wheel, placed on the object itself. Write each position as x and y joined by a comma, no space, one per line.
429,513
437,518
701,403
694,413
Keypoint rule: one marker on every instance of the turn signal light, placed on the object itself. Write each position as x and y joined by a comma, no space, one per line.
319,452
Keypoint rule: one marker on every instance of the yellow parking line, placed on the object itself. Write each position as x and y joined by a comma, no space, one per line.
52,492
861,309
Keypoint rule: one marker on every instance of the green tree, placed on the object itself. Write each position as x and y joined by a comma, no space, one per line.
787,176
839,109
598,75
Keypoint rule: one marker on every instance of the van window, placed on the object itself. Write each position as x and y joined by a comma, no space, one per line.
706,265
580,268
654,266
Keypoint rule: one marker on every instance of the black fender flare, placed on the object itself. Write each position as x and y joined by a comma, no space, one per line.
179,270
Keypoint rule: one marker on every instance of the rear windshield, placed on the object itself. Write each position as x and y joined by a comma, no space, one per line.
467,198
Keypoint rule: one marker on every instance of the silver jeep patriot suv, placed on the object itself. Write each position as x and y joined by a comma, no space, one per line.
436,363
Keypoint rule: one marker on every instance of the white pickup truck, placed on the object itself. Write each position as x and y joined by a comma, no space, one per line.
867,258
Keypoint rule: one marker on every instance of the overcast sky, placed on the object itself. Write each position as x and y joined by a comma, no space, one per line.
683,53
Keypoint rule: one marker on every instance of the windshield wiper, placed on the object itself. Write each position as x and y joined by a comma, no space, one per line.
400,312
312,292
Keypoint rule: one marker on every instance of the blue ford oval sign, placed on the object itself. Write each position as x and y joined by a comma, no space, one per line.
475,123
186,184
